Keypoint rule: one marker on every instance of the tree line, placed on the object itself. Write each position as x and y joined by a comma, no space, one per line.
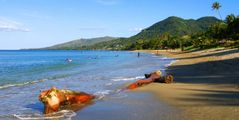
221,34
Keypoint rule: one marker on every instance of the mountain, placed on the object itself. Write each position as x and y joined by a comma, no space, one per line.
177,26
79,44
173,26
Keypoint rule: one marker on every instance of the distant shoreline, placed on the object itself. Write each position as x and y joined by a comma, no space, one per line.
206,83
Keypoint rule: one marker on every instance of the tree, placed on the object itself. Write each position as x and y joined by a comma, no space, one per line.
233,28
183,41
139,44
230,18
218,31
216,6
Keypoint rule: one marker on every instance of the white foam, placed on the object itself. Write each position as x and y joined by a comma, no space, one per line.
22,84
102,94
155,56
170,63
126,78
164,58
66,114
108,84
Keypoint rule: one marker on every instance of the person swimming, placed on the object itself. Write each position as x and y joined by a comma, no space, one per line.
68,60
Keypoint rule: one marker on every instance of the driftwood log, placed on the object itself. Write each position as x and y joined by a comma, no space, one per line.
164,79
152,77
53,99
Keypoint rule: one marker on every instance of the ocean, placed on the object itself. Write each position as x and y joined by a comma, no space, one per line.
23,73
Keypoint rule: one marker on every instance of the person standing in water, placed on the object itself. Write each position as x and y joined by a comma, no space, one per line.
138,54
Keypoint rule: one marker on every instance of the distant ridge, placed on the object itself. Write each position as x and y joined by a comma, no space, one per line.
79,43
174,26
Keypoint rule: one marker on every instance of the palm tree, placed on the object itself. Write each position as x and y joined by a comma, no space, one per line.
216,6
230,18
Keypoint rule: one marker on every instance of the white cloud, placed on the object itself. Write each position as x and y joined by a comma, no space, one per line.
108,2
10,25
135,29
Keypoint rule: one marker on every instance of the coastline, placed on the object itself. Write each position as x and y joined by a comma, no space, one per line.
206,83
100,77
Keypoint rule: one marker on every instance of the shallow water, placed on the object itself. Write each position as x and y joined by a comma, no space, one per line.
24,73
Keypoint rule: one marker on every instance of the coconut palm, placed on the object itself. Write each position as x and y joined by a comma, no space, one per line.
230,18
216,6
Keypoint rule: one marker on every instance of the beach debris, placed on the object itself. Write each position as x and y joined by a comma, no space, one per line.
165,79
53,99
150,78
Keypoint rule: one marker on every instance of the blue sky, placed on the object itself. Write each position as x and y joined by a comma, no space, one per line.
41,23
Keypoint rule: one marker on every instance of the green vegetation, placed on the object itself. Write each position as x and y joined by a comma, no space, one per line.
220,34
171,33
80,43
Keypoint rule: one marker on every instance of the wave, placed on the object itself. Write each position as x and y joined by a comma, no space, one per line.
167,65
32,82
161,58
65,114
101,94
165,58
108,84
126,78
22,84
112,94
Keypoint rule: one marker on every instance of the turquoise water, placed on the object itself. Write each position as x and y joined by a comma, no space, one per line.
24,73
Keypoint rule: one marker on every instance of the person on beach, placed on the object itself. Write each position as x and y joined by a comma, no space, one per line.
150,78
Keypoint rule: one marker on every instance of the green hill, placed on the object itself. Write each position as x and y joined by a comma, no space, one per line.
173,26
177,27
80,43
170,27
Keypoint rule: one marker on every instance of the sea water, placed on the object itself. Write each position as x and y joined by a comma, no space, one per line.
23,73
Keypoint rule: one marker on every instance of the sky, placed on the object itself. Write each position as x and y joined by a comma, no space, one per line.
42,23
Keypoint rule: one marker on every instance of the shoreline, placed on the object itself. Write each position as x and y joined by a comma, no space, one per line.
206,83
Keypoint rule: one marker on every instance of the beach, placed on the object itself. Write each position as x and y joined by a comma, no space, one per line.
206,83
205,87
25,72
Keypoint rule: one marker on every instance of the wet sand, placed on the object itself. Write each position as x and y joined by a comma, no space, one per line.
129,106
206,83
